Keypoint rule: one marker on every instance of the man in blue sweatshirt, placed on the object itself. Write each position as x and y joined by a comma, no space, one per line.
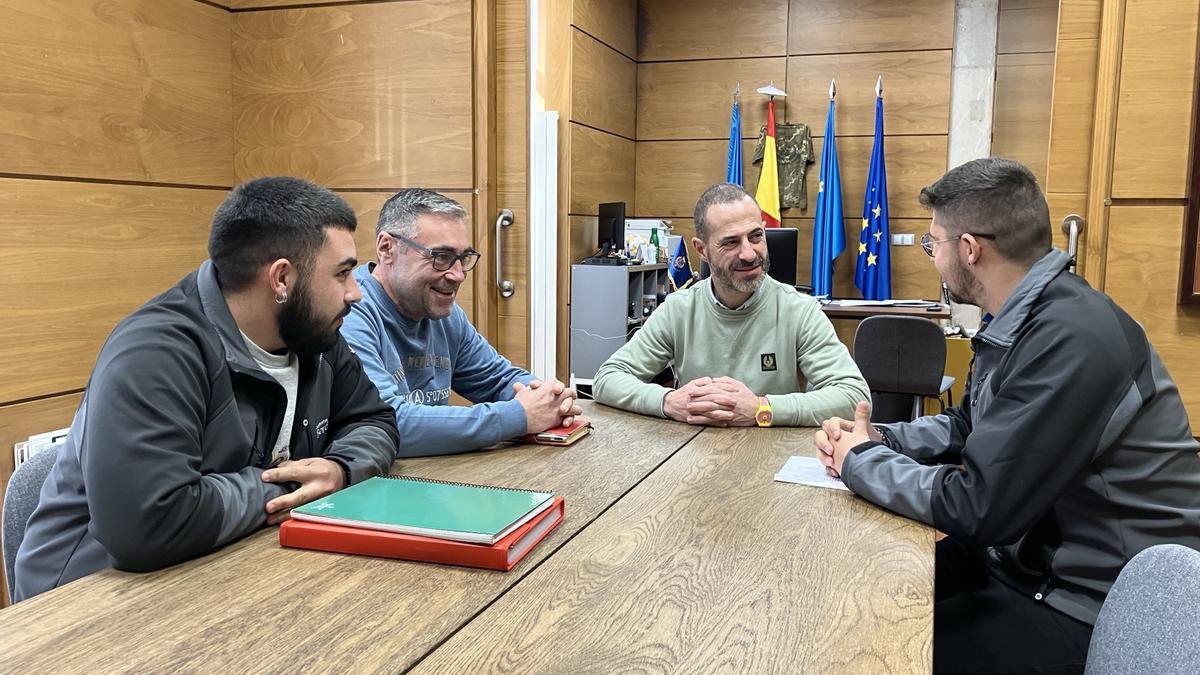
417,345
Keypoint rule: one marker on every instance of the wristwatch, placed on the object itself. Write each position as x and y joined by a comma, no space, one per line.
763,415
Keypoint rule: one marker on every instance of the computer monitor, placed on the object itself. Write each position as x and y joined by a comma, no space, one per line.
611,235
781,247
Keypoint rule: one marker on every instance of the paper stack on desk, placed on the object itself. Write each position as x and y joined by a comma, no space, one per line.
808,471
884,303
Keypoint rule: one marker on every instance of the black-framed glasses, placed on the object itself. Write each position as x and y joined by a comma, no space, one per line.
441,260
927,244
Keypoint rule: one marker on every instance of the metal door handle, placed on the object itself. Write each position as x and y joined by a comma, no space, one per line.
503,220
1072,226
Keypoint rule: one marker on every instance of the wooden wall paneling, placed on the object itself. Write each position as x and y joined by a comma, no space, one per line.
912,163
1142,277
679,30
516,255
602,169
118,90
366,206
672,174
512,339
1079,19
613,22
512,127
582,240
1108,66
512,27
512,176
916,91
850,26
603,87
1154,115
1021,118
331,94
111,248
483,120
22,420
512,324
1061,205
1072,105
690,100
1027,26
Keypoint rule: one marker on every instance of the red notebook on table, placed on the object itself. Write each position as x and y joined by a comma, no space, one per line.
562,435
502,556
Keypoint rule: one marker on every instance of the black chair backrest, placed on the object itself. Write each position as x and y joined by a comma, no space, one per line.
903,355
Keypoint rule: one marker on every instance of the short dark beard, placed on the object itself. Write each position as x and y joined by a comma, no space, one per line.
970,291
302,331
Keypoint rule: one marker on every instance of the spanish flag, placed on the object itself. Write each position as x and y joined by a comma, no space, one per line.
767,194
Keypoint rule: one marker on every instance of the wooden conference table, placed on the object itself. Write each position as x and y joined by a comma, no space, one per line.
678,554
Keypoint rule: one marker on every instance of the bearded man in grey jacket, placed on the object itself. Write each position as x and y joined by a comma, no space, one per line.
1071,451
219,405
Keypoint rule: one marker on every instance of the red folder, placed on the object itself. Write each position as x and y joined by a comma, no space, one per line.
502,555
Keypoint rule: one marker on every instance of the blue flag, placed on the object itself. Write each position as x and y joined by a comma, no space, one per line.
681,269
733,158
873,271
829,232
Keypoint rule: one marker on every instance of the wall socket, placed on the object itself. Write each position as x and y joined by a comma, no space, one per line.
903,239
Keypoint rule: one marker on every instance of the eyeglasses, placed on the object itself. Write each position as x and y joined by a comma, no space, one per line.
928,244
442,261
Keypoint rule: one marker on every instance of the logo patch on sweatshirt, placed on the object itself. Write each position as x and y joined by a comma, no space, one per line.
768,361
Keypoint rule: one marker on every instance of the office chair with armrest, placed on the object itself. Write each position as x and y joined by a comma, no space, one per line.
1148,622
903,359
20,499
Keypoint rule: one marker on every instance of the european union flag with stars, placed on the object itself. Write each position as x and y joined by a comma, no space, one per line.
873,270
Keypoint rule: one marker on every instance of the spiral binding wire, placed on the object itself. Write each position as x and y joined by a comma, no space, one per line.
394,476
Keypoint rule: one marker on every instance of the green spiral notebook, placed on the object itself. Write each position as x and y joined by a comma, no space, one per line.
478,514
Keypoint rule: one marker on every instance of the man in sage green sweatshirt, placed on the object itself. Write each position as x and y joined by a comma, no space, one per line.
742,343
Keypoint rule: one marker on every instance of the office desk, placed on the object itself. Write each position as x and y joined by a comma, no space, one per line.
675,546
709,565
861,312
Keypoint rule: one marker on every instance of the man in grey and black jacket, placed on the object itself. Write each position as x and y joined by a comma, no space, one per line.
219,405
1071,451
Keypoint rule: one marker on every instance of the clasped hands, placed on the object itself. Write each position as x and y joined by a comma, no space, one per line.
547,404
718,402
837,437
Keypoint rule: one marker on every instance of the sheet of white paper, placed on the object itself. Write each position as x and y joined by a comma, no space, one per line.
808,471
884,303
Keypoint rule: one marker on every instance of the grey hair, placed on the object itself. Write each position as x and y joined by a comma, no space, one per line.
399,214
721,193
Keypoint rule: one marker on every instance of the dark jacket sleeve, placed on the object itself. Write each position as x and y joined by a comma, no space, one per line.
1043,426
141,455
362,426
934,438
